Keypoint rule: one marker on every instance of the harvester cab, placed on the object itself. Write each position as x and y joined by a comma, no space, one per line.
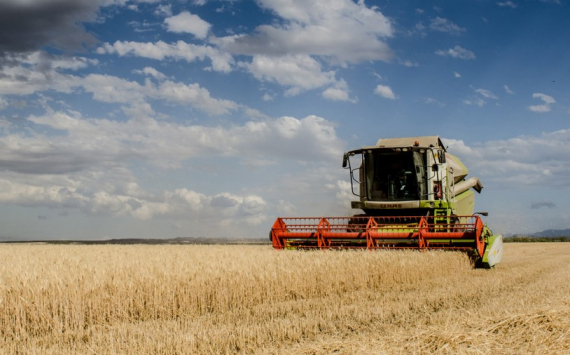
410,176
413,194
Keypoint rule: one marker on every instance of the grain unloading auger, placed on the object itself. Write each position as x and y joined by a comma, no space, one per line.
414,195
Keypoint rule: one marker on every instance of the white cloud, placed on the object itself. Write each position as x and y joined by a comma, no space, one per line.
176,204
4,125
336,94
151,72
95,143
58,120
343,192
21,80
456,74
186,22
486,94
339,92
457,52
508,3
45,61
144,26
140,110
385,91
89,170
508,90
286,208
478,101
283,53
444,25
408,63
194,95
547,99
545,107
163,10
299,72
111,89
540,160
432,101
178,51
3,103
253,113
539,108
324,28
420,27
38,75
475,101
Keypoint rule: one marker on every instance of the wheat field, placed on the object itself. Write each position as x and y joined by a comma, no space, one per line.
198,299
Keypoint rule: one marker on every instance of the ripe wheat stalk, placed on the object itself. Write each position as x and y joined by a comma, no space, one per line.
252,299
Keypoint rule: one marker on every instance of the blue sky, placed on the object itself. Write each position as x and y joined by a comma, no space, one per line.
156,119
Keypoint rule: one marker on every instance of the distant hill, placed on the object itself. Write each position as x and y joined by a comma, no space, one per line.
208,241
549,235
552,233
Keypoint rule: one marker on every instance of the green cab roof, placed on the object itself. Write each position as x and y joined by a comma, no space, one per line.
424,141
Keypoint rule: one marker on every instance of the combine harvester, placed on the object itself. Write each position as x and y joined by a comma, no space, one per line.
414,195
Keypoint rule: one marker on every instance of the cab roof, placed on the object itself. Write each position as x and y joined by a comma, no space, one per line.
424,141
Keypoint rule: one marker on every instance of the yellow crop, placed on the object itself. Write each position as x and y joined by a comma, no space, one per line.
143,299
